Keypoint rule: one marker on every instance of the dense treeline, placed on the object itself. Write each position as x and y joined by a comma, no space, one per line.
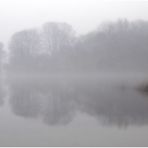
54,49
41,50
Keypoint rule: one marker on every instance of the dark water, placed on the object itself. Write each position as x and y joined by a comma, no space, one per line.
72,112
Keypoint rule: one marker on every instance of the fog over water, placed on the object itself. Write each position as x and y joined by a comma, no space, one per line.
73,73
58,102
45,111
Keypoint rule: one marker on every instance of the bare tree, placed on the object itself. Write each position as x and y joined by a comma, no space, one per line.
57,36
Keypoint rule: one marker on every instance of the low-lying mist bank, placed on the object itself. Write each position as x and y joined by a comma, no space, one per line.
105,75
125,80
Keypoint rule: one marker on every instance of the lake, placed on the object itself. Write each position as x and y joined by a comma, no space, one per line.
72,112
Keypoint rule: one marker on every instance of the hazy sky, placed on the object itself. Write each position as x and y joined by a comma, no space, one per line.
83,15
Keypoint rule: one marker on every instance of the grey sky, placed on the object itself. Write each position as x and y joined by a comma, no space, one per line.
83,15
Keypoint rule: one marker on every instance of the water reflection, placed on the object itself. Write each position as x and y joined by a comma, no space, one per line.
58,101
116,106
2,91
44,99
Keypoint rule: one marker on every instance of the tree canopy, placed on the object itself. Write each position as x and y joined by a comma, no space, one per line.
114,46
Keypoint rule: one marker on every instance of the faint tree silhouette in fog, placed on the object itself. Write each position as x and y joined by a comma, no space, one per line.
57,36
120,45
41,50
58,40
25,46
114,46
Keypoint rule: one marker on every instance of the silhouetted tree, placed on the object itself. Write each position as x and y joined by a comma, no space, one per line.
24,48
118,46
57,36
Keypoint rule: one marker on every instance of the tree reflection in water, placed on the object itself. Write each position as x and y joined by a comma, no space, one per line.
50,101
57,101
2,91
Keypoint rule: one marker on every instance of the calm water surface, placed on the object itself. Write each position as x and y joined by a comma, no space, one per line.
72,112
